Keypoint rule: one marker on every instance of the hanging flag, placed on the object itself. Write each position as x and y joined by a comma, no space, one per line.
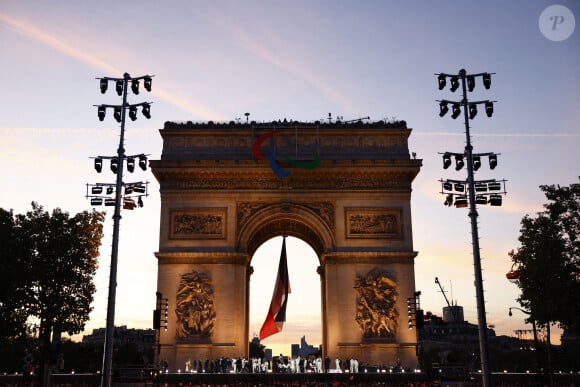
277,312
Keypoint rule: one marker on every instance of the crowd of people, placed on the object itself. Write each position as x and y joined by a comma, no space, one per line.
280,364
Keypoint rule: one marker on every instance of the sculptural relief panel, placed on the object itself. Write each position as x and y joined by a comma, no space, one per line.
376,313
374,223
198,223
194,307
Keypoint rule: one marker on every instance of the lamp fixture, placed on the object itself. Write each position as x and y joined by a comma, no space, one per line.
117,113
135,86
486,77
454,83
459,163
101,112
130,164
492,161
129,204
442,81
119,87
443,108
472,111
114,165
456,111
96,190
459,187
103,84
495,200
481,199
448,200
489,108
139,188
480,187
98,164
470,83
494,186
96,201
447,186
461,201
446,160
147,83
146,110
110,202
143,162
476,162
133,113
109,190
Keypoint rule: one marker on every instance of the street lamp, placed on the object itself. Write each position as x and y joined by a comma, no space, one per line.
534,330
127,200
454,189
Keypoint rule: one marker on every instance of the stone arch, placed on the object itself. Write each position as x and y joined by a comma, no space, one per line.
220,202
292,219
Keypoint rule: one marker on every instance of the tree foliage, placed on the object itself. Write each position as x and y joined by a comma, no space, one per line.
548,259
48,261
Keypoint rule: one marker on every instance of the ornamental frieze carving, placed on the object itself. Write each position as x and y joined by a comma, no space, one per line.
194,307
325,210
312,182
376,313
198,223
372,222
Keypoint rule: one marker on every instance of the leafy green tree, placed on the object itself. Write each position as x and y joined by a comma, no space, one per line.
51,260
548,259
12,282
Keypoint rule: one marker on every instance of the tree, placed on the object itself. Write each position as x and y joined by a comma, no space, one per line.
548,260
53,259
12,282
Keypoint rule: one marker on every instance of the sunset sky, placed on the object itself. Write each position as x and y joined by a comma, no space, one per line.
300,60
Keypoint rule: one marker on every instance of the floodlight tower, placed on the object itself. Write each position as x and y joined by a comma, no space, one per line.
463,193
118,193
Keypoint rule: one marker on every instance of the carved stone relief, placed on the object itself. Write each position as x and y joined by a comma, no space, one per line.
376,313
198,223
373,223
194,307
313,181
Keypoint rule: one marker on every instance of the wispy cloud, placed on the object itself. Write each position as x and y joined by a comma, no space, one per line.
50,40
70,49
286,63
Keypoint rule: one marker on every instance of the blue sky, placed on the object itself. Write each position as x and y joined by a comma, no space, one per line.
216,60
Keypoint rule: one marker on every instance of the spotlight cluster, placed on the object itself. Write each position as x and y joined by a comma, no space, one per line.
127,195
473,161
121,89
471,192
486,192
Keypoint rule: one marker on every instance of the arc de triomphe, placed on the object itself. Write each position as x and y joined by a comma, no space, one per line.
342,187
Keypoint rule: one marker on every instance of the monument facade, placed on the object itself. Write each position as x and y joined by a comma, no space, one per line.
342,187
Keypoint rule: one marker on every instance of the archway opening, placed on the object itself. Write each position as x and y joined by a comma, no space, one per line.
304,312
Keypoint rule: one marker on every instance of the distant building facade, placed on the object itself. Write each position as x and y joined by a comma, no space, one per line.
303,349
142,338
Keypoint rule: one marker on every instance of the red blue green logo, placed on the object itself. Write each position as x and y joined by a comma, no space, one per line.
278,171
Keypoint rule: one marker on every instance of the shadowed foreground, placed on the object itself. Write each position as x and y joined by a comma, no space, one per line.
287,379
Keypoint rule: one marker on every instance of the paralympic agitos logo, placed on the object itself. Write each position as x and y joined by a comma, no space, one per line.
281,173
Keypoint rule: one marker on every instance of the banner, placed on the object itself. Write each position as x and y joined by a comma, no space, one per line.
277,312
